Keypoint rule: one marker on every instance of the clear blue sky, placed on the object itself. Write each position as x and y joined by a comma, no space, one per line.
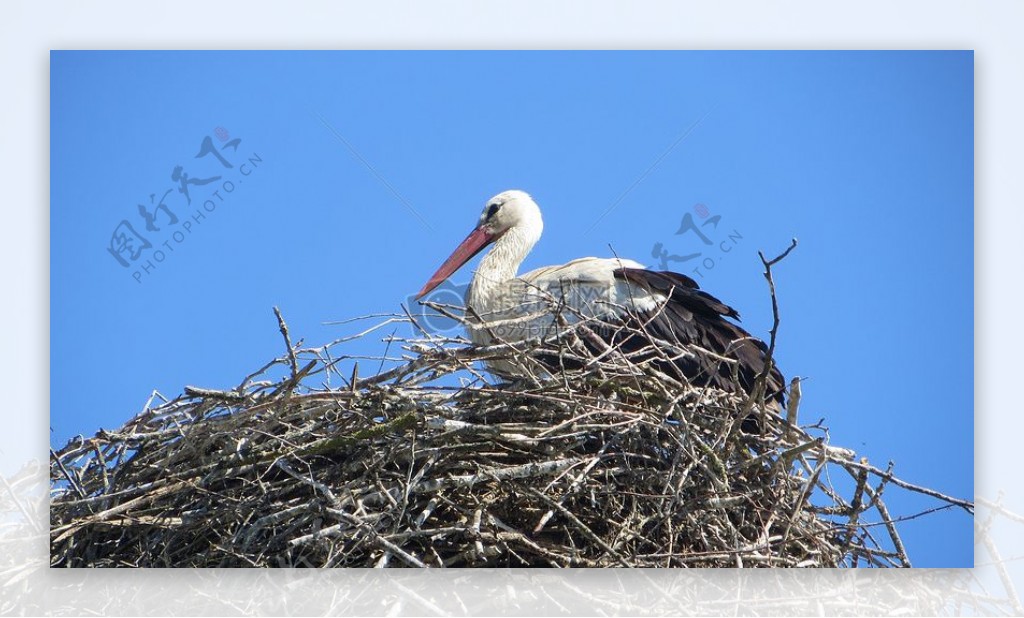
866,157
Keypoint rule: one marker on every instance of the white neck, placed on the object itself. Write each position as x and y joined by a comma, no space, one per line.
501,264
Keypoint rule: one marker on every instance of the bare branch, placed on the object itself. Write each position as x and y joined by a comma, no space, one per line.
288,343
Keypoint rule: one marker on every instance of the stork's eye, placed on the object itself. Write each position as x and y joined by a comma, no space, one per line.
493,208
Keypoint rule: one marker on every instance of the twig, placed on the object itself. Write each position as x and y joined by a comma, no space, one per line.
288,344
67,475
770,355
890,525
967,505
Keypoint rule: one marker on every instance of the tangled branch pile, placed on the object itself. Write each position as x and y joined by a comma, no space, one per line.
607,461
429,464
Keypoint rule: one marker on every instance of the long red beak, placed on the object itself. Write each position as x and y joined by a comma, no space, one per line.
474,243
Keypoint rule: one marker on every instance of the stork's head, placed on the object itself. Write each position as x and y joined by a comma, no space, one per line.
510,209
510,212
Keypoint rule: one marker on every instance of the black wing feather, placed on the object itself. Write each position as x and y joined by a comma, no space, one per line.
692,316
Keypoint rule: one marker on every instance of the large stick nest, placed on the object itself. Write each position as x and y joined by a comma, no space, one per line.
608,462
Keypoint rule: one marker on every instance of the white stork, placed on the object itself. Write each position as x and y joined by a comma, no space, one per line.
689,325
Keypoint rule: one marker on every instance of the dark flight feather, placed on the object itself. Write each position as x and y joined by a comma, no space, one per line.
692,316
